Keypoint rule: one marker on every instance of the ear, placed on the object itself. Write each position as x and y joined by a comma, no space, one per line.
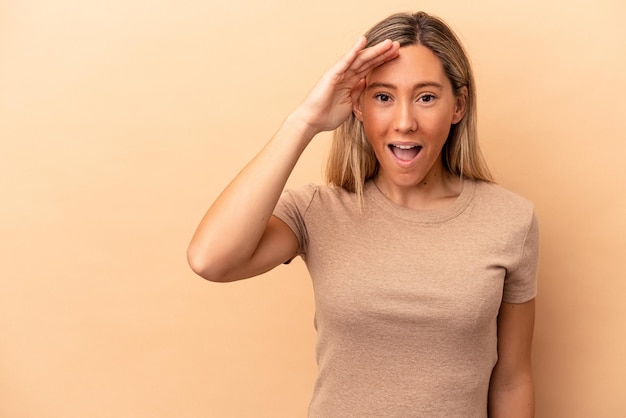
460,107
356,108
356,96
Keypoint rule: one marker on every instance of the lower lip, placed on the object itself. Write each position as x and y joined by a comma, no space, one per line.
405,163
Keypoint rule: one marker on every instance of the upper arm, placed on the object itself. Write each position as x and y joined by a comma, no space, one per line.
515,333
511,391
277,245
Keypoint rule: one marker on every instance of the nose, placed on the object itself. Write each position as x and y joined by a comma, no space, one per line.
405,119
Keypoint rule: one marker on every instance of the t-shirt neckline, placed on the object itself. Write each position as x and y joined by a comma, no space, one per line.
439,215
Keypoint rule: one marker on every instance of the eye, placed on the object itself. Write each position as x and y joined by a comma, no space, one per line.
427,98
382,97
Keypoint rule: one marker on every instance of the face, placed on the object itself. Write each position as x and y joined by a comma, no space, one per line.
407,110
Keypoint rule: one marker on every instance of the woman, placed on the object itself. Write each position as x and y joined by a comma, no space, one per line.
423,269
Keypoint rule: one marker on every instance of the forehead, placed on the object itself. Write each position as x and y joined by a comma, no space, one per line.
414,64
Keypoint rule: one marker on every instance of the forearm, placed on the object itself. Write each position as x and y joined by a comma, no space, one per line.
234,224
512,400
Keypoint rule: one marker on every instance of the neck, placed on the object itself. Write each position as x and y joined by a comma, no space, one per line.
438,189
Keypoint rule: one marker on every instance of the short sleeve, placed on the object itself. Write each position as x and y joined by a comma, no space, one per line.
291,209
520,284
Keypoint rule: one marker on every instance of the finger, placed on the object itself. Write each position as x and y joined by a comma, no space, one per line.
372,52
348,59
367,60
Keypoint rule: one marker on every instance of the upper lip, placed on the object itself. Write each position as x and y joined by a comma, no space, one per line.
404,144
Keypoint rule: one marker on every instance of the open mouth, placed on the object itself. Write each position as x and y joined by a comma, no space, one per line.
405,152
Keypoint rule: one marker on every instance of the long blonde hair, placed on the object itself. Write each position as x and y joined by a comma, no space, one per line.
352,160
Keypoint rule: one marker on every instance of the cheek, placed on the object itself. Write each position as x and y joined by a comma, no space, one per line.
374,121
438,124
370,128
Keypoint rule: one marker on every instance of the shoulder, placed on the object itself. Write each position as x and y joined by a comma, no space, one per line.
499,209
306,192
496,198
324,194
320,201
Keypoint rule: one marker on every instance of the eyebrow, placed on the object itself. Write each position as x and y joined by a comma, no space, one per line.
390,86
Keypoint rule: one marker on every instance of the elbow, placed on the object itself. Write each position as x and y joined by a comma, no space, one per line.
205,266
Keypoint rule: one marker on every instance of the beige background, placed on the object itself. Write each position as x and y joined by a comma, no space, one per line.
121,120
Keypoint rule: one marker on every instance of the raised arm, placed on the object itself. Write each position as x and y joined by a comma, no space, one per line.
238,237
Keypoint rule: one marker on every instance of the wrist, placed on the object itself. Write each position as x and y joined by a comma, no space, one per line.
295,133
299,121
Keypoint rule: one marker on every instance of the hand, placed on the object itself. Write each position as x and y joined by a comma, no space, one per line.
331,101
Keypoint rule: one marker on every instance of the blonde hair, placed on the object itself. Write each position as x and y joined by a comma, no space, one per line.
352,160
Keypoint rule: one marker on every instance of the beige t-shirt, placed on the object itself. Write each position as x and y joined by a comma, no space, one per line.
407,300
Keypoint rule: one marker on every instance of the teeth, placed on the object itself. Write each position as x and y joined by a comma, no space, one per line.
405,146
